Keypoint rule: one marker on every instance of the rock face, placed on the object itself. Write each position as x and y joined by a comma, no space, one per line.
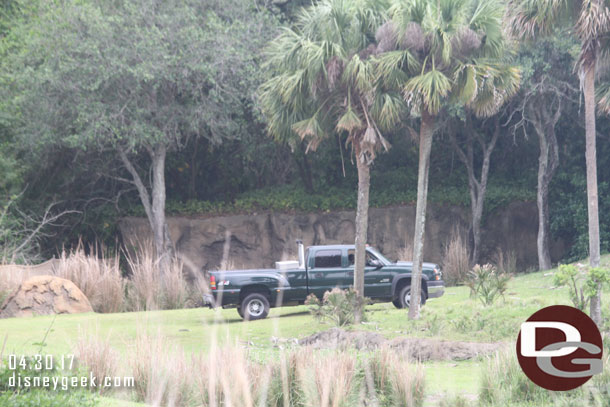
44,295
258,240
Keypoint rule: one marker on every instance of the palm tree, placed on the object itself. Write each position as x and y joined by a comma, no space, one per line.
590,22
437,53
323,85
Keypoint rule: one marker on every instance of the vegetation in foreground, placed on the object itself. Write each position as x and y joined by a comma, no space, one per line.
198,332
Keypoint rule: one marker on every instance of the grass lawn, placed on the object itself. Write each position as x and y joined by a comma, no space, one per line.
455,316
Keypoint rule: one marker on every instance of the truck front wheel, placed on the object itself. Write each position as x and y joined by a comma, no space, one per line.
404,298
254,306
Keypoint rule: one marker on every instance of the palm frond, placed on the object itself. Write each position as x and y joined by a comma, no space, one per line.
431,88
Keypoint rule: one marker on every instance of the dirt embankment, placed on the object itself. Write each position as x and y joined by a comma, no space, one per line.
420,349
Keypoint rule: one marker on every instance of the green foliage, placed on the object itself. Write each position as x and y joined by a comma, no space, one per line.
40,396
487,284
337,306
582,281
505,384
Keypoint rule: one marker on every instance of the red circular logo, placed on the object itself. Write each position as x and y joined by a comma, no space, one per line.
560,348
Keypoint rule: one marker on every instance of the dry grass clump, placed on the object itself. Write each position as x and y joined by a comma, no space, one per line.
327,380
161,371
456,259
97,356
506,261
97,276
406,253
150,288
226,376
396,379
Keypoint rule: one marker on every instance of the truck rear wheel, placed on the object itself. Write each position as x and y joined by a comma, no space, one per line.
404,298
254,306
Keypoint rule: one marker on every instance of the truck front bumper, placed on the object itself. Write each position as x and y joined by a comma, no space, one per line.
436,288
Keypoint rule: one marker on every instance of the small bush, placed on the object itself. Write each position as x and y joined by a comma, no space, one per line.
487,284
337,306
582,282
456,260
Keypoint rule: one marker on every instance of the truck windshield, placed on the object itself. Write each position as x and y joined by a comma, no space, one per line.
380,256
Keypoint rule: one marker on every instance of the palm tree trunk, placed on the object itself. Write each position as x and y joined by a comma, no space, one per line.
362,211
426,133
592,197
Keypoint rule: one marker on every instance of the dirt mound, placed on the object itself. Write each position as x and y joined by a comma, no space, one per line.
44,295
338,338
420,349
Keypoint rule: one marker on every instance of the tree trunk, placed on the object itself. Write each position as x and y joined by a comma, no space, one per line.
476,187
547,165
162,240
154,206
592,198
426,133
364,181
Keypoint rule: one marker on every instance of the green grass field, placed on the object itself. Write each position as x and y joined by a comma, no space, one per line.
455,316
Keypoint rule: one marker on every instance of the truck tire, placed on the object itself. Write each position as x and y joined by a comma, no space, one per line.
241,314
405,295
254,306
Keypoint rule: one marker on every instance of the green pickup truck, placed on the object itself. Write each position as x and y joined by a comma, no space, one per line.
319,269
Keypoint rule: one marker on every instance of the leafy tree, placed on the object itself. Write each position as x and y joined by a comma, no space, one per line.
441,52
137,77
465,136
590,22
545,96
324,85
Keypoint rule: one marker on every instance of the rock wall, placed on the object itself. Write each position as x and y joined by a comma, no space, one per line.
260,239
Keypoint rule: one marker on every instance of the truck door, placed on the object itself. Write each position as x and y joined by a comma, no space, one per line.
325,271
377,282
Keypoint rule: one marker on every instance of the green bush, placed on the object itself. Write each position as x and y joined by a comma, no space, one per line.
337,306
582,282
487,284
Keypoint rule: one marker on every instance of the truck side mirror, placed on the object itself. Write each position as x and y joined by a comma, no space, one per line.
375,263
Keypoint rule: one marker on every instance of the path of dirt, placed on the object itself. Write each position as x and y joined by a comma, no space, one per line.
420,349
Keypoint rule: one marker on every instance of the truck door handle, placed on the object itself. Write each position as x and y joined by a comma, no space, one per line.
350,273
318,275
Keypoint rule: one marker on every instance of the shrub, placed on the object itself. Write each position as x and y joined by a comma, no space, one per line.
582,282
487,284
337,306
456,259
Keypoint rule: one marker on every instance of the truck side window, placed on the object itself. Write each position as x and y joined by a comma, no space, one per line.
328,259
351,256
